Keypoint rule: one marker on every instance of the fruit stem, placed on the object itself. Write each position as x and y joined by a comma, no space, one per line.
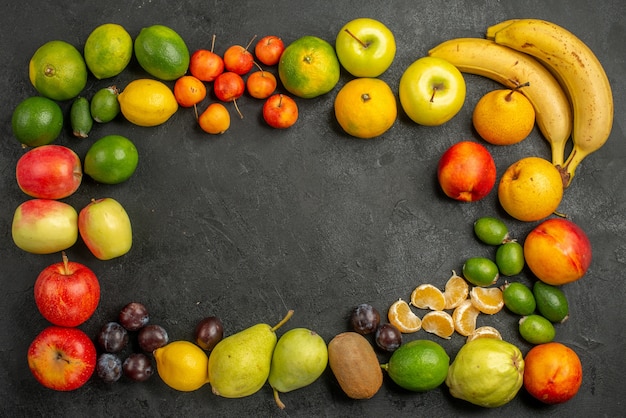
213,42
357,39
516,88
282,321
237,109
66,269
432,98
280,403
250,43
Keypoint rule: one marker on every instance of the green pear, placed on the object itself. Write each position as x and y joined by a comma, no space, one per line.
240,363
299,359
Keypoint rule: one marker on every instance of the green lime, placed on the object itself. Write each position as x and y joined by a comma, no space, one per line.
510,258
104,105
112,159
551,302
518,298
480,271
536,329
418,365
309,67
57,70
491,230
37,121
162,52
108,50
80,118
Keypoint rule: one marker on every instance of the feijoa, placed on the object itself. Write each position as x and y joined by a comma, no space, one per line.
80,117
491,230
551,302
518,298
104,105
510,258
480,271
536,329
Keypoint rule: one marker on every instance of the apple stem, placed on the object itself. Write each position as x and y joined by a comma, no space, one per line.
250,43
66,270
280,100
357,39
259,67
237,109
432,98
212,42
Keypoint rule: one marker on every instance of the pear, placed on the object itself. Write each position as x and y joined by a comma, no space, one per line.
299,359
240,363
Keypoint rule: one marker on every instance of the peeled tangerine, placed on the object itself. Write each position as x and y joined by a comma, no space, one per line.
486,372
300,357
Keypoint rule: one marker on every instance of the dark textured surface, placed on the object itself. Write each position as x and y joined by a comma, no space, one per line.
249,224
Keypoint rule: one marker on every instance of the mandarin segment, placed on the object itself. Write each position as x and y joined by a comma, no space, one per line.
456,291
439,323
485,331
402,317
464,318
487,300
427,296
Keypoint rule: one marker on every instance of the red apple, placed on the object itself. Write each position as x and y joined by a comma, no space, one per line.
466,171
206,65
261,84
62,358
44,226
269,49
238,60
67,293
280,111
557,251
49,172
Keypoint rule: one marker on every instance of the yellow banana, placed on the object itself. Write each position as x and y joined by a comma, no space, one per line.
581,74
512,68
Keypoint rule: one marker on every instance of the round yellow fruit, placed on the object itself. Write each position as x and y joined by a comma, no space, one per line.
182,365
366,107
58,71
108,50
503,117
530,189
147,102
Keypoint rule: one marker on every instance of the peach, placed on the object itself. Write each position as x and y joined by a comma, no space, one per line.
557,251
466,171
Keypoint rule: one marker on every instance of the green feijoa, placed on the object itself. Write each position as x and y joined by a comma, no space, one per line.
104,104
518,298
551,302
536,329
480,271
491,230
510,258
80,117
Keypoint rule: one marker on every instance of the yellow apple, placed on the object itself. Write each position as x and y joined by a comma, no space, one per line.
105,228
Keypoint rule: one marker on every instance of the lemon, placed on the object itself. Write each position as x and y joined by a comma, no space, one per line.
147,102
108,50
162,52
37,121
112,159
182,365
57,70
309,67
365,107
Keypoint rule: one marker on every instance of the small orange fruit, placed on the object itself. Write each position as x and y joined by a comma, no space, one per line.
439,323
215,119
552,372
427,296
456,291
484,332
464,318
189,91
504,117
402,317
488,300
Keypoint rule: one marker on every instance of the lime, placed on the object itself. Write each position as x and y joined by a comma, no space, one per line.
58,71
510,258
112,159
162,52
419,365
480,271
551,302
108,50
491,230
80,118
536,329
182,365
104,104
37,121
309,67
146,102
518,298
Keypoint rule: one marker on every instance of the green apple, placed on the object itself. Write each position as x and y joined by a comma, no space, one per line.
365,47
44,226
432,91
105,228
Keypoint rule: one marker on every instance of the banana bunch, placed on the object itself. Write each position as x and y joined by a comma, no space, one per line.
568,87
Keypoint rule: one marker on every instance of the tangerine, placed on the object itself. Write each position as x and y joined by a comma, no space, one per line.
456,291
402,317
439,323
464,317
427,296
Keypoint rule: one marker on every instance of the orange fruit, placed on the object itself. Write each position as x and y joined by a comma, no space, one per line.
530,189
488,300
484,332
402,317
552,372
504,117
439,323
456,291
427,296
366,107
189,91
464,318
215,119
